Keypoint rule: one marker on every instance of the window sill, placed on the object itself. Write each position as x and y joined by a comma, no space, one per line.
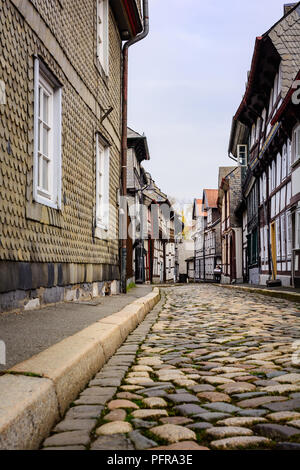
44,214
104,75
46,202
101,232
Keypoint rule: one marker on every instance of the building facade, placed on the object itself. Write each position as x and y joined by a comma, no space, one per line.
230,194
136,182
212,234
264,137
200,221
60,148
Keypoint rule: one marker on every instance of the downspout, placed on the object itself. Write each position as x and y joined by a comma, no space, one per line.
124,135
232,158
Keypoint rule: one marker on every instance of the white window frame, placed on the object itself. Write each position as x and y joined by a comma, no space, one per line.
275,90
278,169
266,243
289,235
283,237
289,156
297,229
278,238
102,184
284,172
271,103
103,34
264,186
263,117
273,182
43,79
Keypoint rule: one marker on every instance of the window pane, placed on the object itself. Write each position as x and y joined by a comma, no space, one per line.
39,138
45,174
40,163
298,143
45,141
40,101
46,109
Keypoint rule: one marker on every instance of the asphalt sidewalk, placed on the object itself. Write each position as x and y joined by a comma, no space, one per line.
34,331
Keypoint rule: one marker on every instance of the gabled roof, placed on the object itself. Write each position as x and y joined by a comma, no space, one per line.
210,198
198,209
139,143
128,18
279,44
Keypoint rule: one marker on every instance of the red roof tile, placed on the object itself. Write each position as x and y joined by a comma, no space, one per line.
211,198
200,210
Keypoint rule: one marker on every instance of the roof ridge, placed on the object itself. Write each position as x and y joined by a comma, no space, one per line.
282,18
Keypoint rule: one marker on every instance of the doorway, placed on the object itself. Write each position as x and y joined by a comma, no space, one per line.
273,250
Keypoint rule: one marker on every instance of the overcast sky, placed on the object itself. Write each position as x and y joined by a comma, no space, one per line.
186,82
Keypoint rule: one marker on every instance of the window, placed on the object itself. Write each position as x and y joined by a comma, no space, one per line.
102,34
47,137
253,132
283,236
275,95
102,184
289,234
242,154
297,227
279,80
278,166
254,247
289,156
271,102
261,198
264,186
278,239
266,241
296,145
258,128
262,245
284,162
273,186
263,117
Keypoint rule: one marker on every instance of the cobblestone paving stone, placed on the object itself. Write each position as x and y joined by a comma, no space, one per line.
207,369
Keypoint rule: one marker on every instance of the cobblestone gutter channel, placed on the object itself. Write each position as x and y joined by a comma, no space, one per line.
207,369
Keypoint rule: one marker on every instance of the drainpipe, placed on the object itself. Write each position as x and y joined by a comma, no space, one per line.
126,46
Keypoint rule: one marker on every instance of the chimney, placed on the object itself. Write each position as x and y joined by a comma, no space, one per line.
288,6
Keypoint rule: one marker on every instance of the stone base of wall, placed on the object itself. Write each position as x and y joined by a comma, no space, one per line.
225,279
26,286
131,280
19,301
254,276
285,280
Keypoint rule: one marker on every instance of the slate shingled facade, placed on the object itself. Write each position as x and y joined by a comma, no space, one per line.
51,254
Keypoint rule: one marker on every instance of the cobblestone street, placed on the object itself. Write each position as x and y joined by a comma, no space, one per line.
209,368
